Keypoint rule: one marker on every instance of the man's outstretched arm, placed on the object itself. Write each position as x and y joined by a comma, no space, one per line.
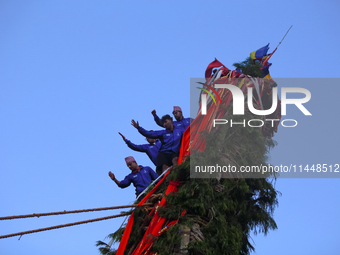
121,184
148,134
135,147
113,177
157,119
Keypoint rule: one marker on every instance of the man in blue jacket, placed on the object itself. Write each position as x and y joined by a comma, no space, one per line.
140,176
180,122
151,149
170,138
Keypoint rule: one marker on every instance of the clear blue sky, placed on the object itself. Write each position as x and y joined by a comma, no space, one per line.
74,73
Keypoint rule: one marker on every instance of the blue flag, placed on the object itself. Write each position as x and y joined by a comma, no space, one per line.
260,53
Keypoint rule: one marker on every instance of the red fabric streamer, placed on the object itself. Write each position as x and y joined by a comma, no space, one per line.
128,228
155,224
211,66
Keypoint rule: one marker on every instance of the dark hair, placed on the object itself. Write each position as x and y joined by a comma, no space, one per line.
166,117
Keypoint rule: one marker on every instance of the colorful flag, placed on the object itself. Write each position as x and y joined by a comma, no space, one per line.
260,53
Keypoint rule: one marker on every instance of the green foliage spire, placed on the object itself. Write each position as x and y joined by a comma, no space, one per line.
249,67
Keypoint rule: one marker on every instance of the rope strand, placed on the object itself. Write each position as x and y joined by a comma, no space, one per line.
66,212
64,225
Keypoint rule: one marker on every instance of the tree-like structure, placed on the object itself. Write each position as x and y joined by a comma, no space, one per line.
221,212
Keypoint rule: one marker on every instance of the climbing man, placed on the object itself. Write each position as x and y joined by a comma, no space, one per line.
180,122
140,176
170,138
151,149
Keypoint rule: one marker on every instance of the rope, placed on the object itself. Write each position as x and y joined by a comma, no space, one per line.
66,212
64,225
74,211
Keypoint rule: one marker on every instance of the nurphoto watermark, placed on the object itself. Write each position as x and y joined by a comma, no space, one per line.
236,119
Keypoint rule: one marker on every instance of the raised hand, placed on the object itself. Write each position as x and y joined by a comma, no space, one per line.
122,136
134,123
153,112
112,176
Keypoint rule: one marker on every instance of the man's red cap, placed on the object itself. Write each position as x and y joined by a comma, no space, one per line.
177,108
129,159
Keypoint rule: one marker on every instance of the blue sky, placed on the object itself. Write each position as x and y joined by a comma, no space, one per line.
74,73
